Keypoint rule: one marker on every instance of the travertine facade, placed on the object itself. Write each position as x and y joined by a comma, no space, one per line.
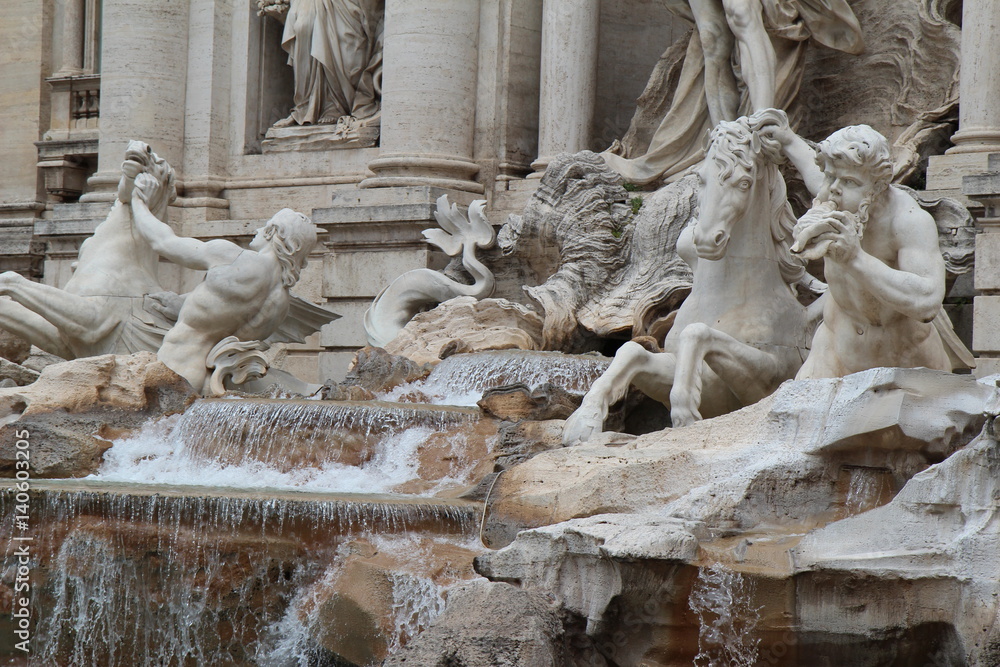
202,81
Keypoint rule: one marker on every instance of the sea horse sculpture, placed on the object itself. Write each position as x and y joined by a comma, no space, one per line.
742,331
415,290
104,306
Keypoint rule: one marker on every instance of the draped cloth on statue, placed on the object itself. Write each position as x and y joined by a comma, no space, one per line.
678,141
335,48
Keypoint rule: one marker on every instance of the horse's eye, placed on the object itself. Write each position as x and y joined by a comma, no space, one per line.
744,184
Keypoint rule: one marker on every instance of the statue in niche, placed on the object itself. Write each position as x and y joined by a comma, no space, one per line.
767,39
335,50
882,260
245,295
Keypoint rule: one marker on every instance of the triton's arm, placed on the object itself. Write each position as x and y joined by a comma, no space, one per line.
188,252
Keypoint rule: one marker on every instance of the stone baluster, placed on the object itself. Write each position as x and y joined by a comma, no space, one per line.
143,85
569,78
428,96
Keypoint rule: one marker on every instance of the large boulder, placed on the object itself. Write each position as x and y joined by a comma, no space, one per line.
793,456
490,624
464,324
75,408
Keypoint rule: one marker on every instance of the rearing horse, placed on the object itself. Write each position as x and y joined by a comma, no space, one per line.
742,331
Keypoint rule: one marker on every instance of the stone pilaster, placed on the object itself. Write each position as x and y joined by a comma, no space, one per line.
143,85
979,100
206,126
70,38
979,119
428,96
985,189
569,78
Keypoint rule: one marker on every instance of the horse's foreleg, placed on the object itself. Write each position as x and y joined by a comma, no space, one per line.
749,373
32,327
74,316
632,364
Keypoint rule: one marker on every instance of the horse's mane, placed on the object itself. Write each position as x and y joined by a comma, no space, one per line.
739,144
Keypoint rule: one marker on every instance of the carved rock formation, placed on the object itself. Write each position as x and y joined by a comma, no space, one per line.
598,267
518,402
75,408
780,460
487,324
487,624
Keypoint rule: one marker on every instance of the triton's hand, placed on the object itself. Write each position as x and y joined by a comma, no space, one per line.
145,187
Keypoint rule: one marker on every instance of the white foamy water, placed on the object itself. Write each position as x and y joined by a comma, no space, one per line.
158,454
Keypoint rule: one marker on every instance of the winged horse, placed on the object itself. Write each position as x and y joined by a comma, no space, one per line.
742,331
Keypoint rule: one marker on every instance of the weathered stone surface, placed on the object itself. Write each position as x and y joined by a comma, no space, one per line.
933,551
518,402
74,406
13,348
487,324
490,624
38,359
782,460
17,373
381,595
378,371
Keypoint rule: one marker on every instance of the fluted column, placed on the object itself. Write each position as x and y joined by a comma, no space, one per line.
143,79
428,96
569,78
979,115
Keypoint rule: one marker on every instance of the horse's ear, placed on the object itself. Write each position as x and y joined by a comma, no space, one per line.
755,142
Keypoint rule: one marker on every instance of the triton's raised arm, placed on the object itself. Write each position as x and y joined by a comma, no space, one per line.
187,252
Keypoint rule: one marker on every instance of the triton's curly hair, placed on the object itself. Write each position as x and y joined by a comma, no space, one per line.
293,236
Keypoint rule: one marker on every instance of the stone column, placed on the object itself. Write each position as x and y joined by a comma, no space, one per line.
979,119
428,96
569,78
70,38
143,79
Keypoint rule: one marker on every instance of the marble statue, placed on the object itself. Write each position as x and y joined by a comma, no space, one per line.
335,50
418,289
245,293
742,331
104,307
767,38
882,260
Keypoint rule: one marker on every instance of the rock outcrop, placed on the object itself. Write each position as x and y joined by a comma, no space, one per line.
787,459
468,325
75,408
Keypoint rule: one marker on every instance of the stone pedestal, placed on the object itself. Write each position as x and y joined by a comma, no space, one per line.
143,85
569,78
428,96
372,237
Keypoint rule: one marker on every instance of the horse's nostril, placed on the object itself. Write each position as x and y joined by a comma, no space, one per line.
720,237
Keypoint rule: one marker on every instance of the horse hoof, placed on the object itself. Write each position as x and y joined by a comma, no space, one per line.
680,417
581,426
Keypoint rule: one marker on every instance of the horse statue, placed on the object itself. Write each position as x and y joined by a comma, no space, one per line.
104,306
742,331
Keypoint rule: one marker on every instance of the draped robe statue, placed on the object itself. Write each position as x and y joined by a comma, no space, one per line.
335,50
768,38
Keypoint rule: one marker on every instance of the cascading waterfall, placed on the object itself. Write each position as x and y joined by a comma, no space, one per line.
865,488
461,379
191,579
722,601
306,445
